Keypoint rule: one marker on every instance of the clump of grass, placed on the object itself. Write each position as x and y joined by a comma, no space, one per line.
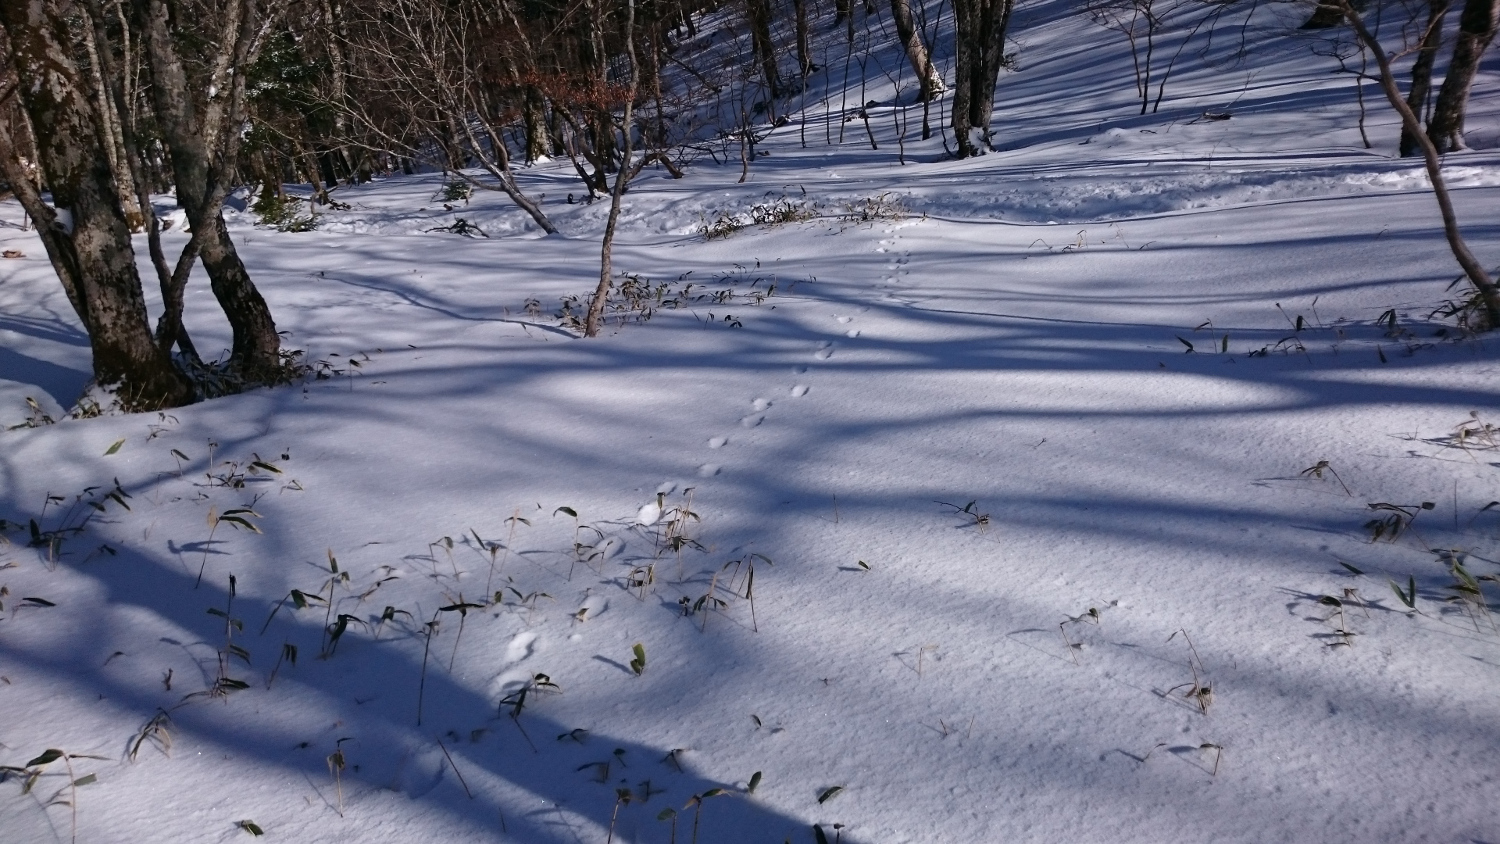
36,418
870,209
224,684
1472,434
155,733
1407,596
517,700
34,770
706,603
1398,519
747,583
1467,590
775,212
638,664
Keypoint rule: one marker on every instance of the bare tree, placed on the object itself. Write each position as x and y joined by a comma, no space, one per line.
87,236
1488,297
427,86
199,118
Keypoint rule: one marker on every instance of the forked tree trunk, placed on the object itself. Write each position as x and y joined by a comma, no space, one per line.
1484,286
1476,29
1421,70
201,143
91,241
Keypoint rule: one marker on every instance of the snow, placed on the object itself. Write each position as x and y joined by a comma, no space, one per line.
950,430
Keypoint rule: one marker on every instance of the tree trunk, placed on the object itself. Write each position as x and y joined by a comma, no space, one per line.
759,14
606,271
980,27
196,136
1476,29
916,52
538,141
805,66
71,143
1421,70
110,121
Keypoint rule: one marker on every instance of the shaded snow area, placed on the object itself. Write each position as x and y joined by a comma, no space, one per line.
1023,498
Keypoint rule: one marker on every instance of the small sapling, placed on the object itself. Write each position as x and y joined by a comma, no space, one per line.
696,803
638,664
623,796
1198,691
1317,470
1346,635
971,512
461,607
336,763
1409,595
238,517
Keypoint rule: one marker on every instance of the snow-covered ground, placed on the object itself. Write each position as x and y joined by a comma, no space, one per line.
1029,469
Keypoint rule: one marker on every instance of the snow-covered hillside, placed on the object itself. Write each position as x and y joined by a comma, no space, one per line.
1022,498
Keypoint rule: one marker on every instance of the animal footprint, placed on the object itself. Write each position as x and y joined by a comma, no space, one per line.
761,404
852,333
718,442
708,470
520,647
846,319
752,420
824,353
799,391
